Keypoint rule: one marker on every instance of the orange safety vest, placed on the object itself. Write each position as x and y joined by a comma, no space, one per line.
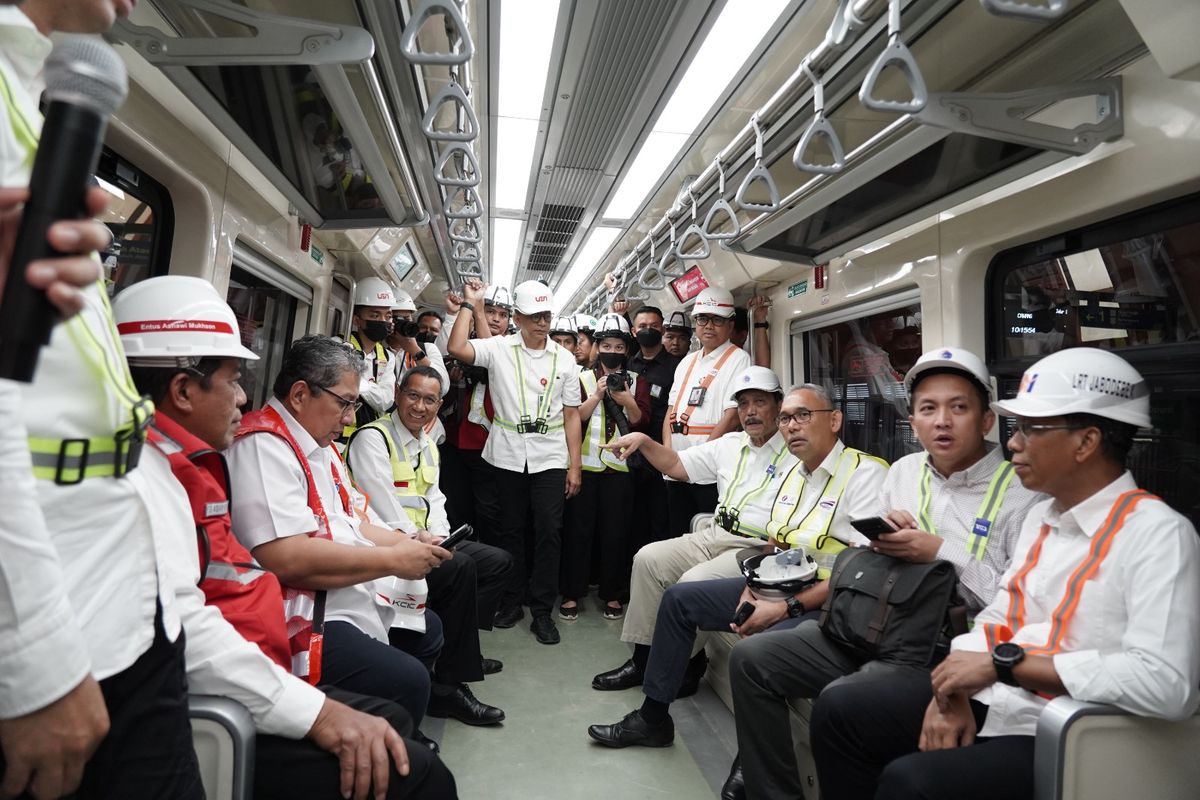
707,380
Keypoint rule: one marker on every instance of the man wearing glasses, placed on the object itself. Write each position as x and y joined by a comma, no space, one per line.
828,486
700,407
958,501
395,462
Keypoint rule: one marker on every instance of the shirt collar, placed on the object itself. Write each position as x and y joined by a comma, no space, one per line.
715,354
774,444
829,463
25,48
404,436
1087,516
308,445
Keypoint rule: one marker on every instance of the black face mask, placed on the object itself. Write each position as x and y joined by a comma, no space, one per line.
427,338
612,360
376,330
649,338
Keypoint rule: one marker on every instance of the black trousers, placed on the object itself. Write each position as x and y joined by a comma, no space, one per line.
598,515
457,592
864,739
148,750
686,500
540,494
285,769
469,484
650,521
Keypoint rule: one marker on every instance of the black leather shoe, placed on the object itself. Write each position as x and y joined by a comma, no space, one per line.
691,678
734,787
425,740
463,706
545,630
491,666
625,676
508,617
634,730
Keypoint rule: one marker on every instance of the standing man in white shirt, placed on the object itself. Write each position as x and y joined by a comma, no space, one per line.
373,301
534,442
748,468
701,405
1101,603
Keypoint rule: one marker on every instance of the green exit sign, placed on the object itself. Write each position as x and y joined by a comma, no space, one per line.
799,287
318,255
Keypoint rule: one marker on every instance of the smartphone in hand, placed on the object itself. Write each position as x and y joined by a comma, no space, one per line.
872,527
743,613
457,537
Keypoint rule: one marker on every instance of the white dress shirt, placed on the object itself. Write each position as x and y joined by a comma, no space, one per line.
271,502
506,448
1134,639
860,499
377,382
691,370
372,468
747,477
955,504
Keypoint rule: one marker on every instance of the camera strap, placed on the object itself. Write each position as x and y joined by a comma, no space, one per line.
703,385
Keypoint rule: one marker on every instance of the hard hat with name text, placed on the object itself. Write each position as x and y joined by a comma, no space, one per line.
374,292
715,301
175,317
1081,380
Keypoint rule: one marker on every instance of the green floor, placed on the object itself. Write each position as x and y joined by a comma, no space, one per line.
542,751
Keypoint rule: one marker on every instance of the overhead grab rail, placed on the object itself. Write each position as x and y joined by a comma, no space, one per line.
468,172
466,131
1053,9
821,128
667,266
453,15
898,55
719,207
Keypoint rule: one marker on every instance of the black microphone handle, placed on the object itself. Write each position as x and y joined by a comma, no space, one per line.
66,160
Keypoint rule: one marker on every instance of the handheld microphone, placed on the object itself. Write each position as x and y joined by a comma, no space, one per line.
85,84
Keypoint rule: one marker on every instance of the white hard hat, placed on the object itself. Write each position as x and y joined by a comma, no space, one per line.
498,296
402,301
533,297
715,301
1081,380
563,325
176,317
586,323
611,325
374,292
755,378
954,358
678,321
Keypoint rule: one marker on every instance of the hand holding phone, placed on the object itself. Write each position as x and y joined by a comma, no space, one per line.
743,613
457,537
872,527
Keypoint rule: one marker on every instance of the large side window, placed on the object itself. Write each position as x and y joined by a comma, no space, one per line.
142,221
861,362
1131,285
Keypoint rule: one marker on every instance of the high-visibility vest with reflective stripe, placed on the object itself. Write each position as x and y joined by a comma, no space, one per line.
544,399
477,411
732,501
812,532
411,486
249,597
985,517
678,416
24,130
594,458
365,413
303,609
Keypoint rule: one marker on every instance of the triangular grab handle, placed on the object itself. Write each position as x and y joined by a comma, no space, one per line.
634,290
895,54
450,93
470,270
650,278
819,127
425,10
722,205
670,265
470,177
758,173
1053,9
699,253
466,252
470,207
464,231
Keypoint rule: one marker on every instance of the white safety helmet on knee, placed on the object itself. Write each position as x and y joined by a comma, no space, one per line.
374,292
777,576
175,319
1081,380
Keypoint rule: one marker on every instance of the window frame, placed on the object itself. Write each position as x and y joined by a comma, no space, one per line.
155,195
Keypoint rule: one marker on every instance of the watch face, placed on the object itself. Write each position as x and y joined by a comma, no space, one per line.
1008,651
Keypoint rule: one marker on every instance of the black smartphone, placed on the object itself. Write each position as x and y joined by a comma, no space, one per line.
871,527
743,613
457,537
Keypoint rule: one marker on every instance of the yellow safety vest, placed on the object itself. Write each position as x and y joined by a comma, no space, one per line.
985,517
544,399
476,412
380,360
812,532
740,527
411,486
594,458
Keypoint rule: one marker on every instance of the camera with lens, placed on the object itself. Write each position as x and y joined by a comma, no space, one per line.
405,327
618,381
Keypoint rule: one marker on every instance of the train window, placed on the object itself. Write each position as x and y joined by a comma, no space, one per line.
265,314
861,361
142,221
1131,285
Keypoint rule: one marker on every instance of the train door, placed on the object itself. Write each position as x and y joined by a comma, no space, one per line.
272,308
142,221
859,355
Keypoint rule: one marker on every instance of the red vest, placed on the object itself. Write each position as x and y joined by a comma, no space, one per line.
248,597
303,609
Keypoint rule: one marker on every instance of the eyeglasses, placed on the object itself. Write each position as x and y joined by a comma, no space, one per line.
1028,428
346,405
417,397
801,417
704,320
542,317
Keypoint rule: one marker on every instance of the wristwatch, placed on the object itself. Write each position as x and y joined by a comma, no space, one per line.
794,607
1006,656
762,324
417,356
465,304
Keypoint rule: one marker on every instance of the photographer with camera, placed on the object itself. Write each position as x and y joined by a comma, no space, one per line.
410,349
373,301
616,403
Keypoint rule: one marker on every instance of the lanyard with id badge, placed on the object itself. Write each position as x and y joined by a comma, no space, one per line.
679,421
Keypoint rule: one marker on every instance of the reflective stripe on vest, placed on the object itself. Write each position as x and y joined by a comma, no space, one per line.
985,517
476,412
544,399
380,359
705,382
594,458
812,532
753,492
23,130
411,486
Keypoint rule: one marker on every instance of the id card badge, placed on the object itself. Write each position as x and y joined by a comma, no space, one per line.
655,391
696,395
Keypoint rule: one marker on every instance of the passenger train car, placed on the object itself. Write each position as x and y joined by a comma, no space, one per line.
893,175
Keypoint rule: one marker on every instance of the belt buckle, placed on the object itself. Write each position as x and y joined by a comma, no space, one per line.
62,456
128,450
679,427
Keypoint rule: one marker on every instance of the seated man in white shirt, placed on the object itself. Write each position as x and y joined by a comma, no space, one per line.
297,513
748,468
395,462
1101,603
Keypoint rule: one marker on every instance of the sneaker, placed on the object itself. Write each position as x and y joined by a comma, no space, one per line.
611,612
545,630
568,613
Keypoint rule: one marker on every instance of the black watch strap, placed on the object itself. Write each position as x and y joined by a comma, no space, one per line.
417,356
465,304
762,324
795,608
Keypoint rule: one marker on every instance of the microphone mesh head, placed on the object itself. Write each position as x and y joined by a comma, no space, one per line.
85,70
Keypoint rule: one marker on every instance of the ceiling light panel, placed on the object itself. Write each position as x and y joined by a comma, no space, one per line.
506,249
597,245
